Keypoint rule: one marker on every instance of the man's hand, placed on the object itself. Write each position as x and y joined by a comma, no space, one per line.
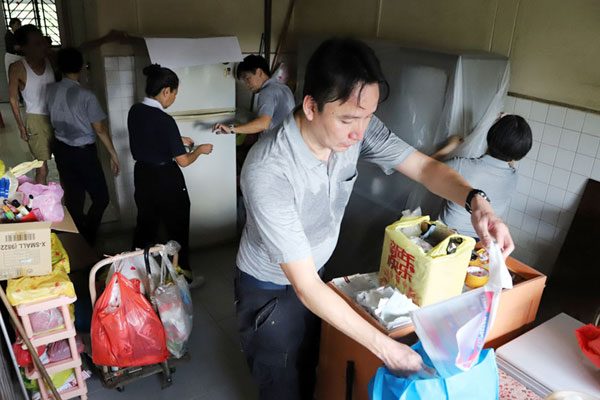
24,133
205,148
221,129
399,358
114,165
487,225
187,141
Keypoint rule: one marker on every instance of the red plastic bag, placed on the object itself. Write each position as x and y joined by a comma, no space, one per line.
588,337
126,332
22,355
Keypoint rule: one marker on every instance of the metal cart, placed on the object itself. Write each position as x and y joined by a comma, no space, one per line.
118,379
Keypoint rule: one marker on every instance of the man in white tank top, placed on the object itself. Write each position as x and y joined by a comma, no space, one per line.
31,76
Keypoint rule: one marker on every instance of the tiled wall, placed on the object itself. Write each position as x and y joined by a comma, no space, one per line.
120,95
552,178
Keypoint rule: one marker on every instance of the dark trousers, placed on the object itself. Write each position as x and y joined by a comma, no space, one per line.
161,198
280,339
80,172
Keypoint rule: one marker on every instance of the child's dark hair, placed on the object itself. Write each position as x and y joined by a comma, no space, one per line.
337,67
69,60
159,78
509,138
22,34
14,21
250,64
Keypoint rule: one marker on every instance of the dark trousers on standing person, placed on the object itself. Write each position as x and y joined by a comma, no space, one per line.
80,172
279,337
161,198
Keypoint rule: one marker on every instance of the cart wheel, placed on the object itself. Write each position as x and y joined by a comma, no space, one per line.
173,369
166,382
120,388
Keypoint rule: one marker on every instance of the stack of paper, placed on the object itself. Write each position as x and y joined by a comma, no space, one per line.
548,359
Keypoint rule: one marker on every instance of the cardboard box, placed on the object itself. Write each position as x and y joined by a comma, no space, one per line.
25,247
338,380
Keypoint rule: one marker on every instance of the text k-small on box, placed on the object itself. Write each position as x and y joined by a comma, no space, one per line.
25,250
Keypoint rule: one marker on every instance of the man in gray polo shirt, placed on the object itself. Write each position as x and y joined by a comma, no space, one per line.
296,184
77,118
275,100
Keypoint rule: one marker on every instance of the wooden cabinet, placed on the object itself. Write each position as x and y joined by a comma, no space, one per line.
346,367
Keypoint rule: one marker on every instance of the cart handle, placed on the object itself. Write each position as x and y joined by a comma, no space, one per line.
122,256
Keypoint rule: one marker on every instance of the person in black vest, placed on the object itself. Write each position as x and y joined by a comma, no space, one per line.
158,148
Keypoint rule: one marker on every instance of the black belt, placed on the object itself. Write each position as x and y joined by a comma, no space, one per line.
155,164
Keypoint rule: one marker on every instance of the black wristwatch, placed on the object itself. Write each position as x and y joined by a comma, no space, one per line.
472,194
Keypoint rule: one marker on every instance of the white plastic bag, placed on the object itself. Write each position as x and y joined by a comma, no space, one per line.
134,269
174,303
453,331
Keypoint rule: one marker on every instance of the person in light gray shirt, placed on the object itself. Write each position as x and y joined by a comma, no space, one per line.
275,100
296,183
77,118
509,140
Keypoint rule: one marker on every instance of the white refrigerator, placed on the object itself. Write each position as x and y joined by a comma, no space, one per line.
206,95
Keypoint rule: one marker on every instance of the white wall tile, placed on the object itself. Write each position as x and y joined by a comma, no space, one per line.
571,201
126,90
538,190
576,183
111,63
556,115
530,224
509,104
523,185
523,107
515,218
535,148
588,145
126,63
564,159
534,208
126,103
543,172
550,214
547,153
560,178
591,124
574,120
113,91
551,135
583,165
569,140
112,78
596,170
526,167
518,201
555,196
545,231
538,111
126,77
537,130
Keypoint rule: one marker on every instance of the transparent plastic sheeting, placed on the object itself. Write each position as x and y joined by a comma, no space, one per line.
432,95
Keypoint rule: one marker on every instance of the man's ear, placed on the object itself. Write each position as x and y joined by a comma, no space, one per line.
309,106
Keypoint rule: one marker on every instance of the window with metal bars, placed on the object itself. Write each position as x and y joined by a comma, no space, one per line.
41,13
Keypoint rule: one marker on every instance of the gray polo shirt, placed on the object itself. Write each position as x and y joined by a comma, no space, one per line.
73,109
295,203
495,177
275,100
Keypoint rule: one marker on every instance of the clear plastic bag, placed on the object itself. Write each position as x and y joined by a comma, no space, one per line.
134,269
61,350
174,303
46,198
453,332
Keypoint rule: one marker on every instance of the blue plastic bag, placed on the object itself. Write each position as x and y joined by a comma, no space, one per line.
478,383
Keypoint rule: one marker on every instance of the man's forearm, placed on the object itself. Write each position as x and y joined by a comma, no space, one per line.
255,126
14,106
107,141
447,183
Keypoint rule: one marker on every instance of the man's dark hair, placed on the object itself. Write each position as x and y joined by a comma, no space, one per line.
13,21
69,60
509,138
159,78
22,34
337,67
250,64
